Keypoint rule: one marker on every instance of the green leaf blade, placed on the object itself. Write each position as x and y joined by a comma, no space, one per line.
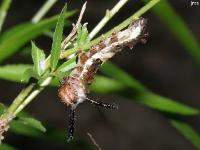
13,72
177,25
23,129
23,33
188,132
145,96
28,73
82,36
106,85
115,72
27,126
38,57
57,38
68,65
32,122
6,147
164,104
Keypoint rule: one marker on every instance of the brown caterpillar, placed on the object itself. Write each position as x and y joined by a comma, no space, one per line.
74,88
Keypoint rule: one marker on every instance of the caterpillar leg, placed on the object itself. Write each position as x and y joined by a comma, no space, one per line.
71,125
102,104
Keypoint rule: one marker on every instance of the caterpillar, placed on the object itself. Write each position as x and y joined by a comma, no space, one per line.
73,89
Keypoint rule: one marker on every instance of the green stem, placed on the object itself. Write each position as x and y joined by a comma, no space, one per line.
43,10
126,22
20,98
119,27
32,95
7,116
107,17
3,11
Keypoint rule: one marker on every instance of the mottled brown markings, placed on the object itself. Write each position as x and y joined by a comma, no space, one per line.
114,38
92,51
66,92
79,68
101,45
83,57
89,77
130,45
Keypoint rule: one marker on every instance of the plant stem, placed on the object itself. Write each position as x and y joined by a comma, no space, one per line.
7,116
43,10
107,17
3,11
20,98
119,27
32,95
126,22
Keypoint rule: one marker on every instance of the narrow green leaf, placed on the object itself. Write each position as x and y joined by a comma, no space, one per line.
177,25
23,129
145,96
82,36
2,108
17,28
164,104
13,72
6,147
23,33
188,132
57,38
106,85
115,72
25,52
38,57
68,65
28,73
4,6
55,82
27,126
32,123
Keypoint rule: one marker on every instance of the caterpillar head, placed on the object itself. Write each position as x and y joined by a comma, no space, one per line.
71,92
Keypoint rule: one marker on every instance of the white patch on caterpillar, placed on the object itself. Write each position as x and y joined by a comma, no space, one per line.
81,95
125,36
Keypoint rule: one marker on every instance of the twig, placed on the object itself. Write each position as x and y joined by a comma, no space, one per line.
93,141
109,14
24,98
32,95
126,22
20,98
119,27
43,10
3,11
75,27
7,116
